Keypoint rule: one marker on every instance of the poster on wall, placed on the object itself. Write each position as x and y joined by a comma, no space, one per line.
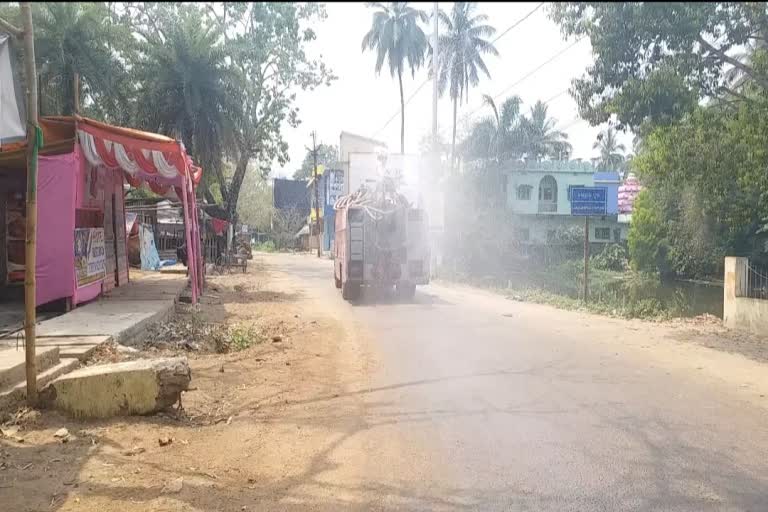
90,255
15,232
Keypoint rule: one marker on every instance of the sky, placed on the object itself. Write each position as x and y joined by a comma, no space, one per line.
361,102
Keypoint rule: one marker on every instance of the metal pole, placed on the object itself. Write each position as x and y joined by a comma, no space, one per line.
586,258
317,200
435,67
31,235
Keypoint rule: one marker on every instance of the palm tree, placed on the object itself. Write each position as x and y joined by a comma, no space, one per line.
498,136
190,91
397,37
611,151
461,50
78,38
540,137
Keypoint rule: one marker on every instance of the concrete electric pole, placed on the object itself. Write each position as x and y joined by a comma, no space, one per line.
317,193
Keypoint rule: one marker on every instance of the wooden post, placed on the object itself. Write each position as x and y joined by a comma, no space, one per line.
317,195
31,234
586,258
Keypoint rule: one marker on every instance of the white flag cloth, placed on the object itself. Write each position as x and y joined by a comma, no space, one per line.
12,126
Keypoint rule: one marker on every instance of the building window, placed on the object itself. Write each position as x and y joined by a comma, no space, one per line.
523,234
548,189
524,192
602,233
617,235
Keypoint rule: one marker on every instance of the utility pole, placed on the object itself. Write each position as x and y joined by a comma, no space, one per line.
435,67
586,258
31,231
317,192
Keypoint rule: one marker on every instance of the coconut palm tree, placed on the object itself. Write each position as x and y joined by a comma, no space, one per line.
611,151
497,137
540,139
78,38
462,46
396,36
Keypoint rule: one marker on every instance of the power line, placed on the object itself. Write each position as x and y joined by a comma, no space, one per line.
425,82
419,88
527,75
517,22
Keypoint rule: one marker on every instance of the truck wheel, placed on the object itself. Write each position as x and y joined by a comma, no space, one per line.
350,291
405,290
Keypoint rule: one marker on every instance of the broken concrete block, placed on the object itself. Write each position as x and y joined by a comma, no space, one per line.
120,389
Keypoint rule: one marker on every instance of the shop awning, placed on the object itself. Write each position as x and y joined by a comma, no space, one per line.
160,161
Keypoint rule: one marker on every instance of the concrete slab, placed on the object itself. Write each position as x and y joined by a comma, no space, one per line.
114,318
19,392
123,313
133,387
13,364
78,347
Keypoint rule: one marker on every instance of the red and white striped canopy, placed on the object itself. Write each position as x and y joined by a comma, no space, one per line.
160,161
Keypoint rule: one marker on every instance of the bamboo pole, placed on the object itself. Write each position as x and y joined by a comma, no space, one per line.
31,235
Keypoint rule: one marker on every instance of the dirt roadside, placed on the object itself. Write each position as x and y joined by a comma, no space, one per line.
256,432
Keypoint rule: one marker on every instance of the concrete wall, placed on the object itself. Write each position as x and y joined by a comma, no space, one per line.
741,312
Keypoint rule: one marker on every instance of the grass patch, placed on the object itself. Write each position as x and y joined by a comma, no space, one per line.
241,337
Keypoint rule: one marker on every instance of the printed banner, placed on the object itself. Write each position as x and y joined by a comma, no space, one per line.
90,255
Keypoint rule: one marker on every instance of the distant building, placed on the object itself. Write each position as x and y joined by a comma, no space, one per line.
539,197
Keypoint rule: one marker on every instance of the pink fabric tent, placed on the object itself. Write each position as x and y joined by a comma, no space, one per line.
159,161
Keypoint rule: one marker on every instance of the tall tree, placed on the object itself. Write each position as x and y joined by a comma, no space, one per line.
396,36
611,151
268,43
541,139
78,38
461,49
327,155
190,92
654,61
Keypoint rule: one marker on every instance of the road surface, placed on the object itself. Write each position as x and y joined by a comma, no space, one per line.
475,402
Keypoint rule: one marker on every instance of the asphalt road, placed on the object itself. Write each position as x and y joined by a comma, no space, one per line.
480,403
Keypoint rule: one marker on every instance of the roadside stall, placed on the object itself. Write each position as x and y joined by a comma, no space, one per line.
83,169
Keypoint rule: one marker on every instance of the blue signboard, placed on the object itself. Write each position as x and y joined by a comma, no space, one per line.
589,201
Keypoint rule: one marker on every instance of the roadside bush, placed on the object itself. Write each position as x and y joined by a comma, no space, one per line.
612,257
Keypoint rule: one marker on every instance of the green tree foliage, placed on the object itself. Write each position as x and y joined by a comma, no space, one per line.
708,183
509,135
498,137
221,77
327,155
396,37
463,43
611,151
540,138
188,91
647,235
653,61
611,257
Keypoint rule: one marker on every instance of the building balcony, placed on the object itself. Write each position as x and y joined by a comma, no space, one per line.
547,207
